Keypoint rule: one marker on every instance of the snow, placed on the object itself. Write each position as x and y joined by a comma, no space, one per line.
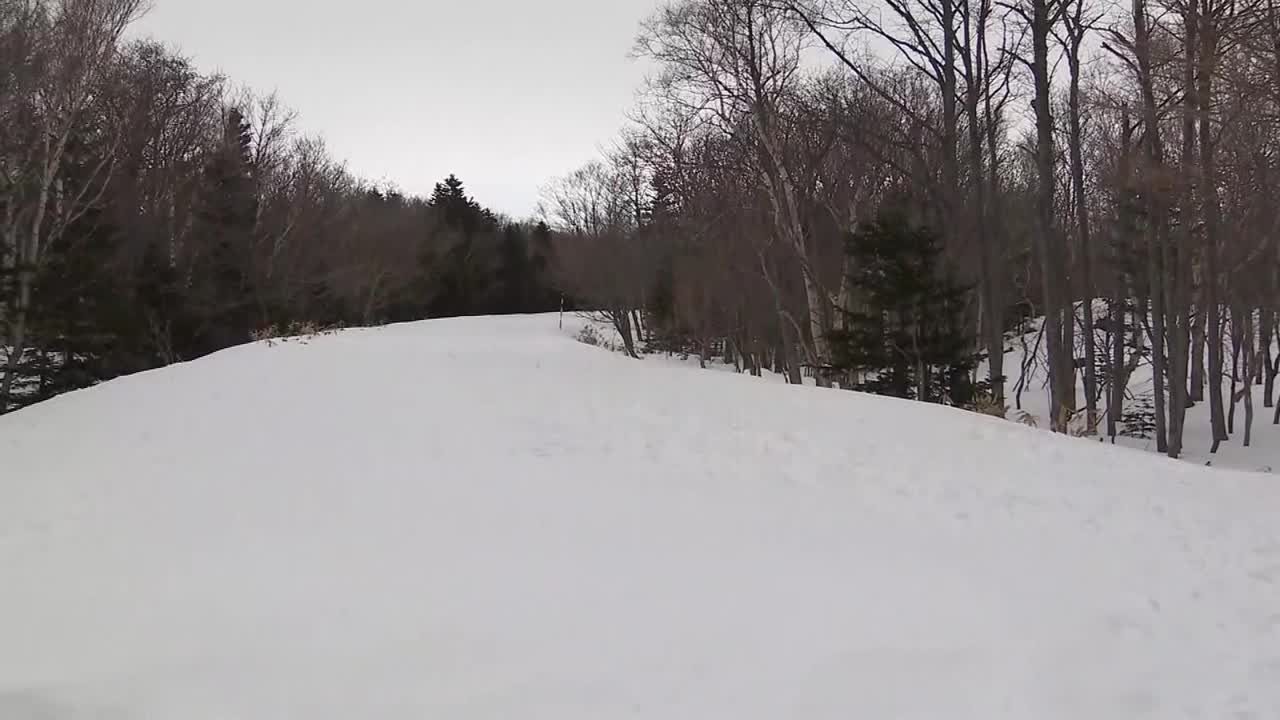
483,518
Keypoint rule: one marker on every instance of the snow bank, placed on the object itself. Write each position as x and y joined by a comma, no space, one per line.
482,518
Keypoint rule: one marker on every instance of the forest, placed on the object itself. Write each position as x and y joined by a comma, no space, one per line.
152,214
882,194
866,194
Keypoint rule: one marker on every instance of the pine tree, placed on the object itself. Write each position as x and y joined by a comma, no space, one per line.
908,339
546,297
226,220
463,279
514,271
458,210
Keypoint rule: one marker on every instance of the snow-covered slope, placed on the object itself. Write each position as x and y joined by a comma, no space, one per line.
485,519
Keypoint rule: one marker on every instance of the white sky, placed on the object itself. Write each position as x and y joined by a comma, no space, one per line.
505,93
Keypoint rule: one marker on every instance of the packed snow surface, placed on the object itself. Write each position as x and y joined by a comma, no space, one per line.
482,518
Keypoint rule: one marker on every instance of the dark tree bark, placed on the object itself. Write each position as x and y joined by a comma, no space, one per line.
1155,214
1250,360
1211,213
1197,349
1177,261
1059,317
1237,340
1270,366
1076,29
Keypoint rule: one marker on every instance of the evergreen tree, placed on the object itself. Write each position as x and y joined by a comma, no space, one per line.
545,296
459,211
908,338
165,323
514,271
81,330
462,280
225,223
660,308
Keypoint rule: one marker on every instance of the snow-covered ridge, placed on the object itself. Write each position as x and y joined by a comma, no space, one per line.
481,518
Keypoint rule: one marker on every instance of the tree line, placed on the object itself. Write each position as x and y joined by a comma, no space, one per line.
879,194
151,213
875,194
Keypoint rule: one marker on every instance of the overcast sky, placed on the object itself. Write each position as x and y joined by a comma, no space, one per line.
504,93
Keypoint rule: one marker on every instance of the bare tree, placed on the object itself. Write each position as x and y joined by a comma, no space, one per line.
1044,17
1078,21
591,210
737,60
81,45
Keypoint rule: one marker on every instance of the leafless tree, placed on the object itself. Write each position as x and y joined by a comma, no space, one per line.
737,61
79,43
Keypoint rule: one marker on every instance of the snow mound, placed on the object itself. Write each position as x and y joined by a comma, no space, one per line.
481,518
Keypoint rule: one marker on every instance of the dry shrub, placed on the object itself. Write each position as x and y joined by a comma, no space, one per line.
303,332
589,335
1078,425
985,404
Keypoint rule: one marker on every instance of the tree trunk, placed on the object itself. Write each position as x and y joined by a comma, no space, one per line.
781,191
1119,294
1075,142
1177,341
991,313
1257,348
1196,351
1058,316
1155,214
1155,279
1237,339
1177,262
1248,410
622,323
638,324
993,239
817,328
1211,211
1115,404
1217,419
1249,363
790,358
1271,366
